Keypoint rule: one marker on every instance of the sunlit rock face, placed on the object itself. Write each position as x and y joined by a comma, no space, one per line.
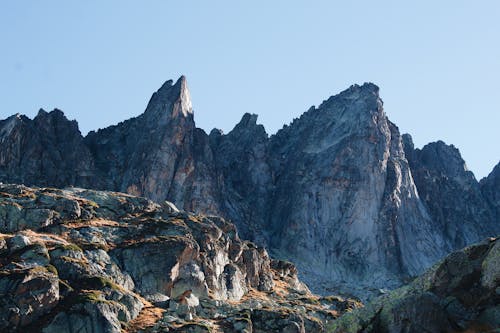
338,191
160,154
345,207
78,260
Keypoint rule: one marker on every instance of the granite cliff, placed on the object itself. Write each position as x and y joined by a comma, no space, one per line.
339,191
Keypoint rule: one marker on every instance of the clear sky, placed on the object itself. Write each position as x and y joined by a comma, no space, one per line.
437,63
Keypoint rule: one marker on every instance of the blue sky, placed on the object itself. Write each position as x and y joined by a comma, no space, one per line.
437,63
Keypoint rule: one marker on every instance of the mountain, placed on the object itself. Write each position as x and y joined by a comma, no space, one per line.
339,191
79,260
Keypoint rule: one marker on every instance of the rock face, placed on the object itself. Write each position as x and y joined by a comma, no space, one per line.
47,150
489,188
90,261
338,191
344,205
459,294
452,194
159,154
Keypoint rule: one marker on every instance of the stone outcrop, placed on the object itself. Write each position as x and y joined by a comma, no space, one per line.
93,261
458,294
338,191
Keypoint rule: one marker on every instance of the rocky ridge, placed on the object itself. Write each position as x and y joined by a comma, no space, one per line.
77,260
338,191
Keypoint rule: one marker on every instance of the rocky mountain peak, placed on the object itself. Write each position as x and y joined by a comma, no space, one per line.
248,120
184,105
356,91
171,101
444,158
248,124
451,193
56,112
407,141
56,119
368,87
7,126
358,106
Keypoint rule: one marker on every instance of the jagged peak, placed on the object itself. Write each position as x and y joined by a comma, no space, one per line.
408,141
441,145
176,94
444,157
56,113
248,119
8,125
248,124
15,117
367,91
356,89
56,116
216,132
186,107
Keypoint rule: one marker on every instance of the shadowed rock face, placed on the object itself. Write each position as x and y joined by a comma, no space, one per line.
490,188
458,294
46,150
338,191
461,211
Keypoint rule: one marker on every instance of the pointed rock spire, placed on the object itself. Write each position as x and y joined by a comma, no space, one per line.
183,103
171,98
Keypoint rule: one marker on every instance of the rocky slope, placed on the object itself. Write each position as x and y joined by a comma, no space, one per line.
338,191
77,260
458,294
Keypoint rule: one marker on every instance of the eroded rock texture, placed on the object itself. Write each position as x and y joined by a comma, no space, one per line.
458,294
338,191
90,261
461,212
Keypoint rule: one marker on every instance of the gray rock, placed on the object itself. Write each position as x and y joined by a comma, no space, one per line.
235,282
152,272
338,191
459,293
97,274
18,242
26,295
490,188
92,317
452,194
